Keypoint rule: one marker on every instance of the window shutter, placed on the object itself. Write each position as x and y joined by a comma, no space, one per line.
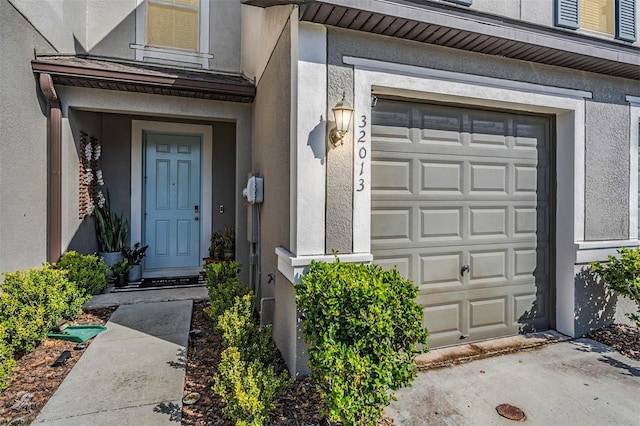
568,13
626,20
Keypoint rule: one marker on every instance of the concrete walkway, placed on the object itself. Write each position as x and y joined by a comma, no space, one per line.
132,374
580,382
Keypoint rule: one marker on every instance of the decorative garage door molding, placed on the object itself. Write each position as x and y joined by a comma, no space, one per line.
568,106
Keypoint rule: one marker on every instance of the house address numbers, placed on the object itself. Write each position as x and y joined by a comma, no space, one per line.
362,152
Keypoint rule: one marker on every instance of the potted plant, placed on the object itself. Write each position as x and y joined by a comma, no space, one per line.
223,244
111,232
228,243
216,246
121,272
135,255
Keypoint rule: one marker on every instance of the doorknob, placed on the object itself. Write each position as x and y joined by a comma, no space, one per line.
465,268
196,218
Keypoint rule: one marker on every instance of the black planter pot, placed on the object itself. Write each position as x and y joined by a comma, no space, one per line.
122,280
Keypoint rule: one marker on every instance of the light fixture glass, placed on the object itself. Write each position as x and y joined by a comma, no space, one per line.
342,114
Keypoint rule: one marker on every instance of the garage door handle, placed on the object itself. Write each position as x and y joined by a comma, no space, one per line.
465,268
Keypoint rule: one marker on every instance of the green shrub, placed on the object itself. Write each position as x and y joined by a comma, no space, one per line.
89,272
223,287
622,275
238,328
6,358
248,388
32,301
362,324
220,272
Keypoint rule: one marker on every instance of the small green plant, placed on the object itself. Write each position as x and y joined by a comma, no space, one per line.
32,301
122,267
238,328
89,272
6,358
223,244
248,388
220,272
111,230
223,286
135,254
363,326
622,275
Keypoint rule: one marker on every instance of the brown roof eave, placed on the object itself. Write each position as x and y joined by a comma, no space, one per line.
166,81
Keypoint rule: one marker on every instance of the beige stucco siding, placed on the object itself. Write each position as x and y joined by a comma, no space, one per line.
271,156
23,146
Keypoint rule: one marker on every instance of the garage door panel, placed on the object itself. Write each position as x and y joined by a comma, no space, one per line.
441,177
444,320
392,135
478,222
472,188
440,271
488,178
527,307
488,313
441,223
392,225
488,266
392,175
403,263
488,222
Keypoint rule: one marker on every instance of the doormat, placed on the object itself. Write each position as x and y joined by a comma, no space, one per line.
164,282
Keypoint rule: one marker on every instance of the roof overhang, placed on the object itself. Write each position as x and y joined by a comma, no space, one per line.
142,78
460,28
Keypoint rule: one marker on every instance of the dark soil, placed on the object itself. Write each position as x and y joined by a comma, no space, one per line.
33,379
623,338
299,406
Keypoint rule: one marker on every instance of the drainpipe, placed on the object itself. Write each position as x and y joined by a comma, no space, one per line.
54,175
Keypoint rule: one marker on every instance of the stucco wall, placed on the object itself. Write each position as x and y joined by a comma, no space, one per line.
108,28
23,146
607,127
224,178
78,235
271,112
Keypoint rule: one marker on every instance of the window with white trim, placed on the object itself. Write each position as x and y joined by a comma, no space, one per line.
175,32
614,17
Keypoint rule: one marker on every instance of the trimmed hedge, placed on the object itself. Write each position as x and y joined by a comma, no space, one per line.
246,381
89,272
31,303
363,326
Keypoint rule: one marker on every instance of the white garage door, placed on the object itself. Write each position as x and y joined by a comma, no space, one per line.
461,204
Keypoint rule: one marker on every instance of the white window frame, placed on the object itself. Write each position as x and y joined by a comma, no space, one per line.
147,53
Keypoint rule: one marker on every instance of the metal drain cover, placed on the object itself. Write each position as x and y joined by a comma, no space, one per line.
510,412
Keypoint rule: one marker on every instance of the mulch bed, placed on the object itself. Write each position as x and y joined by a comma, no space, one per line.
300,405
34,380
623,338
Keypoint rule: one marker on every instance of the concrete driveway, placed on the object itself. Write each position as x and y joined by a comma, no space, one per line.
579,382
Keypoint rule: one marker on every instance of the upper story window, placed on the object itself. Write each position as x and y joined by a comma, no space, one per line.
173,23
614,17
173,32
598,15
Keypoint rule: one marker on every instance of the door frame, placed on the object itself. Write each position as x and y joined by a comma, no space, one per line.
138,127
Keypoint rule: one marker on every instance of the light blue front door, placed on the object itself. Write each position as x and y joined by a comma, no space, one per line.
172,205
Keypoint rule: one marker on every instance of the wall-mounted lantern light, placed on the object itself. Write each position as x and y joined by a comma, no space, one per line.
342,114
